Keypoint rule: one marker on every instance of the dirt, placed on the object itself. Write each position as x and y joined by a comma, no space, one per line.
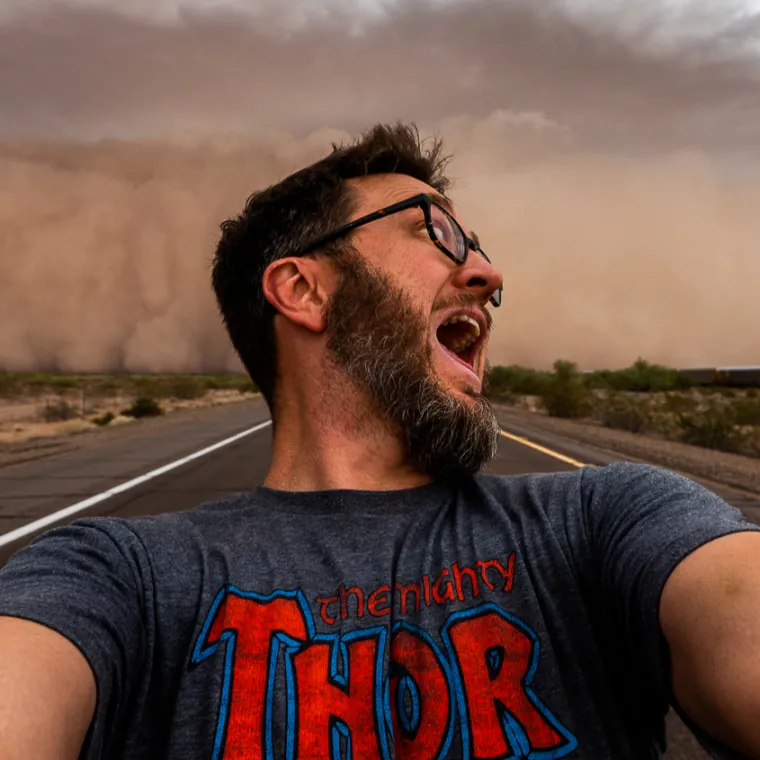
24,435
732,470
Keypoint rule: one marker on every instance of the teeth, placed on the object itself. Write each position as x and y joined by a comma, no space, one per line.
469,320
460,345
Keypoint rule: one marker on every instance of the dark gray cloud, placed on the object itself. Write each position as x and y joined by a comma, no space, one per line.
83,71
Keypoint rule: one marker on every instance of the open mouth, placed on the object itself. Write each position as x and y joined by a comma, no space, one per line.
460,336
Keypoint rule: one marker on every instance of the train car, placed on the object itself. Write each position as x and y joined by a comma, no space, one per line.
725,377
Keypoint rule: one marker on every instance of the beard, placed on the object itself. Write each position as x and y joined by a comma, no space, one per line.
378,338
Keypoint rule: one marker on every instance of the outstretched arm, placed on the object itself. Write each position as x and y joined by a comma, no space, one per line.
47,693
710,615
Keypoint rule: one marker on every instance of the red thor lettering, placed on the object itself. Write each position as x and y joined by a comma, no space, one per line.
254,623
494,656
378,603
417,679
448,594
324,697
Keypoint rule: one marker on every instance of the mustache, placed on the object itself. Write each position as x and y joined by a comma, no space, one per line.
464,299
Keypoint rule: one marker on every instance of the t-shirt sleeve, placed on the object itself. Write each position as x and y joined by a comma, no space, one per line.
642,521
88,582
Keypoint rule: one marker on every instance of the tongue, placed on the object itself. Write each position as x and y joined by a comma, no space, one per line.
458,359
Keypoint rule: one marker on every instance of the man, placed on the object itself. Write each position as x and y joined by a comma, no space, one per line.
377,597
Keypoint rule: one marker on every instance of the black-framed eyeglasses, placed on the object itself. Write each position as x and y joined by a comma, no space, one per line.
444,231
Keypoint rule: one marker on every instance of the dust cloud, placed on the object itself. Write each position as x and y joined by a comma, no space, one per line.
612,172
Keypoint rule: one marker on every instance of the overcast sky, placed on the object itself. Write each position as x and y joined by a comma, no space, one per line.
647,73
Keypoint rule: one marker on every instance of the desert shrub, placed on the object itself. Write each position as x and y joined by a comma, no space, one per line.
62,382
104,419
624,413
567,395
105,387
10,385
505,381
747,411
640,377
143,406
753,443
713,428
59,411
146,386
228,382
752,392
248,386
187,388
675,403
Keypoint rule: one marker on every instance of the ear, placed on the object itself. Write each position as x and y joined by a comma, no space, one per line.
299,289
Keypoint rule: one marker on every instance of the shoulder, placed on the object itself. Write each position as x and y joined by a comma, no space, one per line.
132,542
193,520
620,487
611,476
644,489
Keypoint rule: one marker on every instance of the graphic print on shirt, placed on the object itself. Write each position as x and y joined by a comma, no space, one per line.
470,688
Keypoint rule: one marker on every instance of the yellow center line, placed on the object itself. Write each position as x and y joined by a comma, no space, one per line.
543,449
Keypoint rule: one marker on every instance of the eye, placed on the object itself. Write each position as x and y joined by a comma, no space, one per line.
440,232
442,228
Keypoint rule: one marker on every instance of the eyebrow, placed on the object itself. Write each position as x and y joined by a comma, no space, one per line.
441,200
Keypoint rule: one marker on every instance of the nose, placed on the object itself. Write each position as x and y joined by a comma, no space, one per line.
478,276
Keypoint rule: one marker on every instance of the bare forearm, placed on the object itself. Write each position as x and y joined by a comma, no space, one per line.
710,615
47,694
731,713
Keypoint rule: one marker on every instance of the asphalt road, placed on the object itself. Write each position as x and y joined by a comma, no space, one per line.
41,488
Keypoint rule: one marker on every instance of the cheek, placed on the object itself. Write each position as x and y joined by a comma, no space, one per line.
419,269
423,281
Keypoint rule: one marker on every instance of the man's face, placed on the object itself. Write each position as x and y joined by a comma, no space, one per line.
396,327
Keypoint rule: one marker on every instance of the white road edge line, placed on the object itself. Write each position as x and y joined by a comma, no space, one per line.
543,449
62,514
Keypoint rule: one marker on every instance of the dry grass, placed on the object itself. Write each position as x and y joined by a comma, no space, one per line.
15,385
714,420
36,405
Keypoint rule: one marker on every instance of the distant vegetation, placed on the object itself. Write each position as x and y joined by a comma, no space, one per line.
143,406
100,398
182,386
643,398
640,377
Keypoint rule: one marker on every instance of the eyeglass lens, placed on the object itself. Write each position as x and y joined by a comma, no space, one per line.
447,233
452,238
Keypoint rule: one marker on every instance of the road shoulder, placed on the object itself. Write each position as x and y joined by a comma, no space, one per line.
735,477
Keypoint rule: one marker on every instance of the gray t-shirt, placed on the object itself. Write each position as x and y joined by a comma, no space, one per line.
496,617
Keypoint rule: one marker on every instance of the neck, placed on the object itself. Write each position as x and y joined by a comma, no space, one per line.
333,439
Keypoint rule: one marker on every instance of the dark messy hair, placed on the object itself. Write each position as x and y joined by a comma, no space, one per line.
283,219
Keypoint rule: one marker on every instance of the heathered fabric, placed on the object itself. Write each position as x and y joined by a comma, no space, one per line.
495,617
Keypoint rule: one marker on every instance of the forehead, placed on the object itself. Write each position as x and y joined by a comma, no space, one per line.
380,190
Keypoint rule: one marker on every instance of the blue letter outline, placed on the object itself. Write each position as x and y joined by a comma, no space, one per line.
448,736
203,650
338,648
515,733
